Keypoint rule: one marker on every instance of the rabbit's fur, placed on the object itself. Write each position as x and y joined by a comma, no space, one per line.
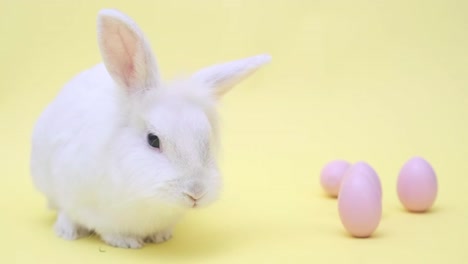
90,152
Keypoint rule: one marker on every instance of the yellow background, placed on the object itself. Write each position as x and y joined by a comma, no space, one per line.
378,81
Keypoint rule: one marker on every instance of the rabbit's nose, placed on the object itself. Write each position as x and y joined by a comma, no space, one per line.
195,192
194,196
191,197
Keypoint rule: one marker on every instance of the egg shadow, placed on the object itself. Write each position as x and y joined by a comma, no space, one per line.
430,211
377,235
328,196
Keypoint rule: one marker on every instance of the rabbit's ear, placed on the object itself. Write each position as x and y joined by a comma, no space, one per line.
222,77
125,51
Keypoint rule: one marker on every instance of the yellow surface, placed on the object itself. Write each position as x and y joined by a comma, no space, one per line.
378,81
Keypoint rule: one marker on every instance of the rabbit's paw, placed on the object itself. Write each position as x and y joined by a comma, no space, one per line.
68,230
123,241
159,237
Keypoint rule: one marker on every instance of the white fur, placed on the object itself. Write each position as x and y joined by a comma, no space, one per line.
90,155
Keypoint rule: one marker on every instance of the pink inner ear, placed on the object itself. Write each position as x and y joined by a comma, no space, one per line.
121,47
129,43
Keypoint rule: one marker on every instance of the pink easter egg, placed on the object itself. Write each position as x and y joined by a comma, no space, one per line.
360,201
366,170
417,185
331,176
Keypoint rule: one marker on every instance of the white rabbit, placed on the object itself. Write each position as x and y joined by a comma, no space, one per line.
124,155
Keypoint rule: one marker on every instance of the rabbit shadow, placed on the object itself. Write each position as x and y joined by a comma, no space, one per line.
197,238
193,239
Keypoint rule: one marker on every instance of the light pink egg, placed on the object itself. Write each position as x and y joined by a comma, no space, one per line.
417,185
366,170
360,201
331,176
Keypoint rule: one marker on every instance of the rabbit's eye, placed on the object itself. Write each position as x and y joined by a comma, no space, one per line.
153,140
